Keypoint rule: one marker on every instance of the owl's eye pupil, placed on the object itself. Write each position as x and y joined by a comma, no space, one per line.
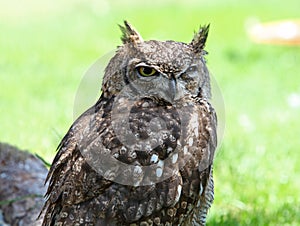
146,71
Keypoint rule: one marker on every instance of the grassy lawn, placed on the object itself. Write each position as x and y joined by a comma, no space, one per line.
45,49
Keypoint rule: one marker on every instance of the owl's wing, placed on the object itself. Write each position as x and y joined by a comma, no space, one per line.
206,195
72,181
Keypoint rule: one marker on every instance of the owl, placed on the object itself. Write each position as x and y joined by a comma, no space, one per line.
143,154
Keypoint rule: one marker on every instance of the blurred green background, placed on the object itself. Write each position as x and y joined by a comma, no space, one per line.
47,46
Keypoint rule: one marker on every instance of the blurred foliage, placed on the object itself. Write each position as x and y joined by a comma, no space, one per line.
47,46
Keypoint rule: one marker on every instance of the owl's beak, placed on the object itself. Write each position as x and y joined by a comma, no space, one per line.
172,88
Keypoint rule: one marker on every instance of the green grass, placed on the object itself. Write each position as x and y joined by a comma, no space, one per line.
46,48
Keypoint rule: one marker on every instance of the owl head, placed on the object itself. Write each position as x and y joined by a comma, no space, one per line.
163,70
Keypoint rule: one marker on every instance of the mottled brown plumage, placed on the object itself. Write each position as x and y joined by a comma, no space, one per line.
143,154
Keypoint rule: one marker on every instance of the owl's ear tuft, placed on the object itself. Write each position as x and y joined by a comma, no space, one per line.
199,40
129,34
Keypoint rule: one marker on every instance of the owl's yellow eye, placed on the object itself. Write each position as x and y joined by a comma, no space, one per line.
146,71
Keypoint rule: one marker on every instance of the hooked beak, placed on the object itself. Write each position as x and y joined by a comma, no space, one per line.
172,88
